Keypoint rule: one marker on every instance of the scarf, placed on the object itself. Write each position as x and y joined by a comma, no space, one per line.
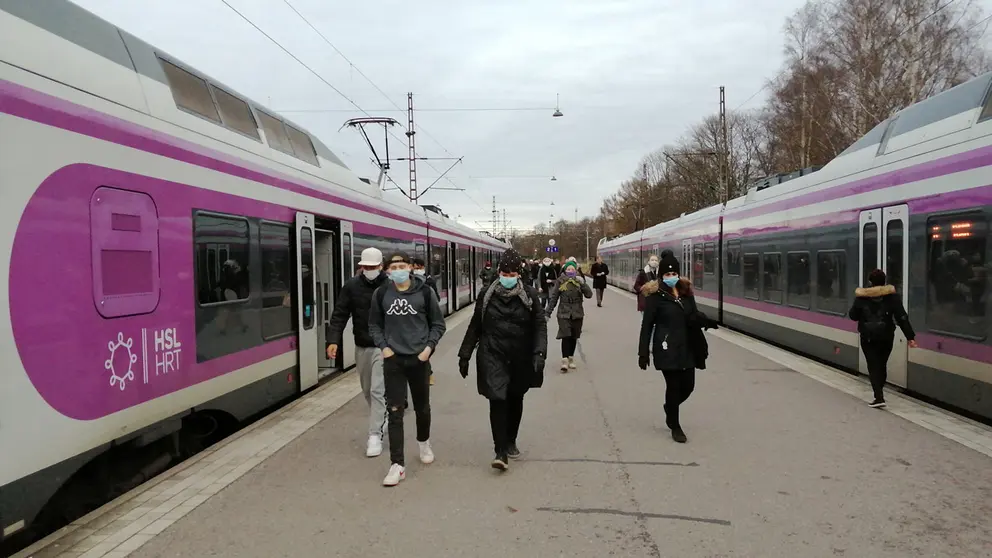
498,288
570,281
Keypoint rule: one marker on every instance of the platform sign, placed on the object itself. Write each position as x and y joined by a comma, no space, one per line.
551,249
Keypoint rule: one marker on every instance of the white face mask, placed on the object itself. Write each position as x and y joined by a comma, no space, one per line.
371,274
420,272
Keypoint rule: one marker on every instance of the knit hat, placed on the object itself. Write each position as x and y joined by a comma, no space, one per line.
570,264
510,261
668,265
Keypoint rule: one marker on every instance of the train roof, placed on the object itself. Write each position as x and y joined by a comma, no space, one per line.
292,147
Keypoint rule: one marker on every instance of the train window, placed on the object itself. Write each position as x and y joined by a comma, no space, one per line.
709,258
277,280
235,113
750,272
869,250
275,133
221,259
957,279
772,278
894,257
734,257
420,250
190,92
125,255
697,267
831,282
798,277
302,146
349,264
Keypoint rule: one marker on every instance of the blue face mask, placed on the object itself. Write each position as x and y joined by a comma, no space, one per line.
508,282
400,275
671,281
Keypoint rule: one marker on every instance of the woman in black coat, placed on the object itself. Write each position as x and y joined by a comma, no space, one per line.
511,331
673,322
599,272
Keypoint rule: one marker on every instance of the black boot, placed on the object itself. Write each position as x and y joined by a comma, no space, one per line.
668,417
678,435
672,420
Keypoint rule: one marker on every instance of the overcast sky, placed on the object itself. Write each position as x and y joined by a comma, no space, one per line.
632,74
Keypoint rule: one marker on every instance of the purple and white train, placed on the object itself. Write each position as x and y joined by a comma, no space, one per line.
912,197
171,251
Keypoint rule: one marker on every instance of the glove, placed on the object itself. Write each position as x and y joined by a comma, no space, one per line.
642,362
463,367
539,363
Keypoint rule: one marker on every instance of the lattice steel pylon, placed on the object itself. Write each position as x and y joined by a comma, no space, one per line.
411,143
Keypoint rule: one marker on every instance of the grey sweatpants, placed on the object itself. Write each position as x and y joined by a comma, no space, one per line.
368,361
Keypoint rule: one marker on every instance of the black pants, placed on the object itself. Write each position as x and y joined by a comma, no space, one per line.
568,345
678,387
599,296
399,371
504,419
877,357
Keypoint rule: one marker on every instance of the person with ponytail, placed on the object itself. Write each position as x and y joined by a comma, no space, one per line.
509,327
674,324
569,289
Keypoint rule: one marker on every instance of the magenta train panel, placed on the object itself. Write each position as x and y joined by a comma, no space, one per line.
39,107
66,342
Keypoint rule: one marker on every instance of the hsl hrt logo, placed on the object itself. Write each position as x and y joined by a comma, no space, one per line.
167,350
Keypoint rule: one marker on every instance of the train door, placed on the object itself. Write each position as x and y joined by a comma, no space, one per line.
895,249
883,245
453,277
324,275
306,307
687,259
346,353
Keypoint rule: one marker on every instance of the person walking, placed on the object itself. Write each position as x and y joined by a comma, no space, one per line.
354,302
547,278
569,289
645,276
599,272
673,325
511,331
487,275
420,270
406,323
878,310
535,269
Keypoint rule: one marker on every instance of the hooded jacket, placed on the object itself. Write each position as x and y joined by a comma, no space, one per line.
645,276
402,322
881,302
673,328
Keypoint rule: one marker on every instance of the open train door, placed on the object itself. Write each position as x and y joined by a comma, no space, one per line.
348,270
895,264
306,307
883,245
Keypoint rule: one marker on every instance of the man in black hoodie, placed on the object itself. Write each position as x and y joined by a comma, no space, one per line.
354,302
406,322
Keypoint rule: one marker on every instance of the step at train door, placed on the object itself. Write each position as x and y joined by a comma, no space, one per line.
306,314
884,245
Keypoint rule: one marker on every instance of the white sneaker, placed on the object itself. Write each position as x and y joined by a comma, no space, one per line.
396,473
426,452
571,362
564,365
374,447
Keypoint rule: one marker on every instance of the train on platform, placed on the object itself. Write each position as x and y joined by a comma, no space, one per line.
189,243
913,197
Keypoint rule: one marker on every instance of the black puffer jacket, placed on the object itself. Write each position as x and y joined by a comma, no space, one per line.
354,301
508,335
674,328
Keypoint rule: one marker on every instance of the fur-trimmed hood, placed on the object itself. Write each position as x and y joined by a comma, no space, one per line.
874,292
651,287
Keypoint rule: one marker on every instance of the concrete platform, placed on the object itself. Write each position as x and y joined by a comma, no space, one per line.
784,459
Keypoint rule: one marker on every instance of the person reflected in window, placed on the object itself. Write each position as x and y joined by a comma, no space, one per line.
878,310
